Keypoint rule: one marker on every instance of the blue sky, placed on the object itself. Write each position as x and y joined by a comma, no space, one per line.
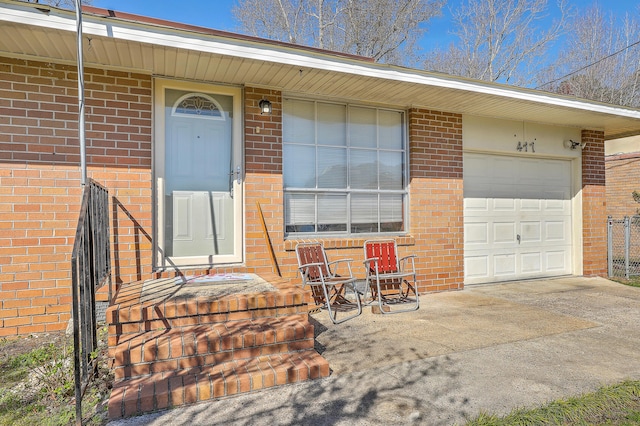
216,14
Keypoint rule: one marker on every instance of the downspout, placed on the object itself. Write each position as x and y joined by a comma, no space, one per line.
81,132
83,180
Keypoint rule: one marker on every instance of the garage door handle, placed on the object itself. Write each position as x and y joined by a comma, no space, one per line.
518,238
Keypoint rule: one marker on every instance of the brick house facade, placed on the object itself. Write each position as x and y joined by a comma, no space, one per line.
39,181
40,191
594,204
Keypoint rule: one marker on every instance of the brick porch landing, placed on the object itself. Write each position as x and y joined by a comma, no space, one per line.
175,342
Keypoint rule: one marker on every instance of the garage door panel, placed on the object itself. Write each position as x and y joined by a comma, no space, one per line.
504,232
530,232
504,265
477,267
555,194
557,260
515,196
501,169
504,205
556,231
531,262
476,204
528,172
479,174
555,171
476,233
530,205
553,205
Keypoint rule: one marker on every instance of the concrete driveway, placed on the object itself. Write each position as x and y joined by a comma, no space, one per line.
487,348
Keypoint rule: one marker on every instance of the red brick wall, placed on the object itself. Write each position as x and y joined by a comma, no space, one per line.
623,177
436,222
40,187
263,183
437,197
594,206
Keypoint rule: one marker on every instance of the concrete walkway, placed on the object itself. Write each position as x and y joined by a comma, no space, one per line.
487,348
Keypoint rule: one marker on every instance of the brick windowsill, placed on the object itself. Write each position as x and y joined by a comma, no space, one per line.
346,243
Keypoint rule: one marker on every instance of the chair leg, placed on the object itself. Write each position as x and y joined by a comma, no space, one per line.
382,303
337,293
368,289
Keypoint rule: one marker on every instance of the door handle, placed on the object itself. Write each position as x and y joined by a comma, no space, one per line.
518,238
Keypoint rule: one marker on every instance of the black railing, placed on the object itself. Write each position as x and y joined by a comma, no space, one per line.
90,269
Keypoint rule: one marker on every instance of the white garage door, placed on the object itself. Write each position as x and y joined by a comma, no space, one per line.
517,218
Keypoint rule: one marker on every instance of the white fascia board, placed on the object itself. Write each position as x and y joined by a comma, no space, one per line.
181,39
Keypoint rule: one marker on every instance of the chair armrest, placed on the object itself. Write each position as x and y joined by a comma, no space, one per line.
304,270
306,265
409,256
339,262
404,260
371,266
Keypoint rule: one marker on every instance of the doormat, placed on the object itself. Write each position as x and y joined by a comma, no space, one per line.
220,279
212,285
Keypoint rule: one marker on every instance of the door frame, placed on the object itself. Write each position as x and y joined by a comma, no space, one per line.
158,173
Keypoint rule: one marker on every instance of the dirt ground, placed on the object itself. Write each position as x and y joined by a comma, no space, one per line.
10,347
96,396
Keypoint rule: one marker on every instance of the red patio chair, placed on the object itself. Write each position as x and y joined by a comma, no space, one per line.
327,286
392,280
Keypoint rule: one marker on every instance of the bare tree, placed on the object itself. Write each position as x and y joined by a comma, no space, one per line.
283,20
600,60
499,40
386,30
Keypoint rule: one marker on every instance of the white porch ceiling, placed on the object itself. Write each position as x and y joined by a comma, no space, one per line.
175,51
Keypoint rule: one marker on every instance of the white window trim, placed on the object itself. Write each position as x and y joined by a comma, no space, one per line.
405,192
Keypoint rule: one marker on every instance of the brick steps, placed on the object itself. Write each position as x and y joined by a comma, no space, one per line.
174,388
199,346
131,319
169,350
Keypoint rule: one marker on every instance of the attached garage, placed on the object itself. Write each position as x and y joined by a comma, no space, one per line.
522,208
517,218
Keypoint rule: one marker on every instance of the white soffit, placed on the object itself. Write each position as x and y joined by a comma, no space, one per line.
173,52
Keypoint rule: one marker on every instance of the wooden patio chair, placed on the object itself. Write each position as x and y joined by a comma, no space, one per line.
391,280
327,286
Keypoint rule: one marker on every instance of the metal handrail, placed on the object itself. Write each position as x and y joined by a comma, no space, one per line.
90,269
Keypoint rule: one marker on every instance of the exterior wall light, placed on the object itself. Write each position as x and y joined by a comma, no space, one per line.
569,144
265,107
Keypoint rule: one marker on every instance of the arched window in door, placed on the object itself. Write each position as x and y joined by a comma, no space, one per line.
197,105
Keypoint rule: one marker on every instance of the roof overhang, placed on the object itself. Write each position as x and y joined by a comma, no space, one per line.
166,49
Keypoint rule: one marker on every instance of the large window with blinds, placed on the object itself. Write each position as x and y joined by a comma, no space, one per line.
344,168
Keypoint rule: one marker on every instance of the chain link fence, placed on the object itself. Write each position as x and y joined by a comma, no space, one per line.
624,246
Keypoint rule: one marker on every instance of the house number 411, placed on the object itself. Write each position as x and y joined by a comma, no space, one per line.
524,146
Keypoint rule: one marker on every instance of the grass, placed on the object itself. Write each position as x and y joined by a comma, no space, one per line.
632,281
612,405
37,383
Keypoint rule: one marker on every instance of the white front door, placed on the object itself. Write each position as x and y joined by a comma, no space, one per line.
199,180
517,218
